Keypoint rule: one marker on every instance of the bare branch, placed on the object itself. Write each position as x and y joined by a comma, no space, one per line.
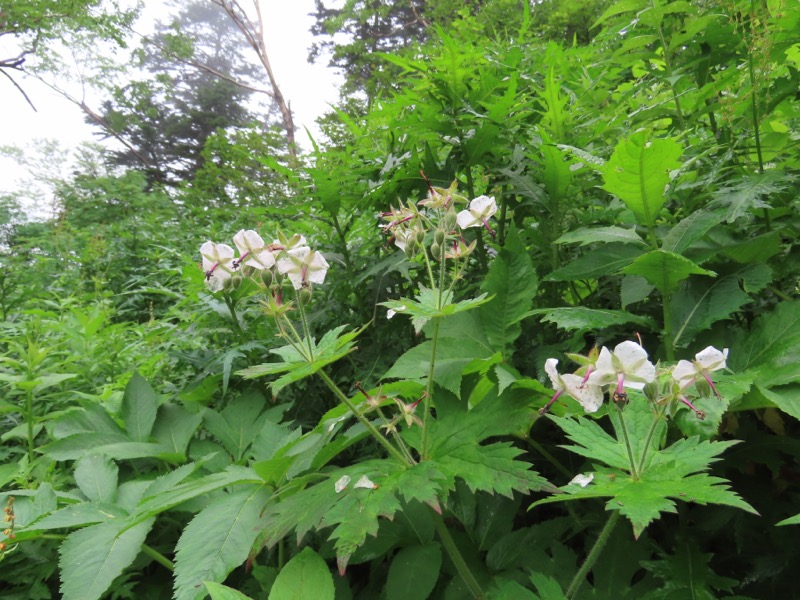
16,85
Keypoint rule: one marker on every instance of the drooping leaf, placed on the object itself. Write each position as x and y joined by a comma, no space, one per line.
92,557
638,173
218,540
96,476
512,282
601,234
223,592
414,572
305,577
590,319
608,259
665,270
139,405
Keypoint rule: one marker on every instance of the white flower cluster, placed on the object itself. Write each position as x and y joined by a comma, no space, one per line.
408,225
627,366
290,257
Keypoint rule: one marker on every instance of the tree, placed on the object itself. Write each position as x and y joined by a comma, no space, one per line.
36,23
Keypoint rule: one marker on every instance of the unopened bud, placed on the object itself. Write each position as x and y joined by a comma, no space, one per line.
450,219
267,278
436,251
236,281
305,295
438,237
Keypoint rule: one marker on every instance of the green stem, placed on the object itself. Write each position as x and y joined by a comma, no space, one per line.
667,336
306,330
754,111
29,419
455,555
234,319
362,419
549,457
659,414
668,68
626,439
158,557
429,388
594,554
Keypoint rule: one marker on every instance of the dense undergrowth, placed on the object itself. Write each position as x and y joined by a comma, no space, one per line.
257,420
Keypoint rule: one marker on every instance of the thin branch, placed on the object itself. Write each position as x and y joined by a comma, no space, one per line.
21,91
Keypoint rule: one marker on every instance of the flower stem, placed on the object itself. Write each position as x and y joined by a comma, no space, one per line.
656,419
29,419
594,554
455,555
306,330
624,429
363,420
234,319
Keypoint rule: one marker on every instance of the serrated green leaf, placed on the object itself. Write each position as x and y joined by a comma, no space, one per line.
80,515
601,234
702,302
92,557
174,428
218,540
738,199
605,260
634,289
75,446
96,476
223,592
512,282
774,340
139,405
689,230
237,425
589,319
638,173
756,249
414,572
665,270
795,520
305,577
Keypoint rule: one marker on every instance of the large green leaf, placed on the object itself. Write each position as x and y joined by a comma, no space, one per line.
513,283
175,427
665,270
218,540
638,173
223,592
608,259
96,476
605,235
414,572
139,406
773,341
689,230
305,577
91,558
590,319
237,425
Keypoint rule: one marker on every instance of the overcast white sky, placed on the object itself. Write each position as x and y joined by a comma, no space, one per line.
309,88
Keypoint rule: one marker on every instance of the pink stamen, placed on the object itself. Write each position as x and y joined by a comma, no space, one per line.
589,371
488,228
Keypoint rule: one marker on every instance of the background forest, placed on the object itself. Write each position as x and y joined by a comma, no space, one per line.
195,402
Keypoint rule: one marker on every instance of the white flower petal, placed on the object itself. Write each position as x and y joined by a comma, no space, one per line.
341,483
485,206
712,359
550,367
364,482
466,219
684,373
582,480
590,397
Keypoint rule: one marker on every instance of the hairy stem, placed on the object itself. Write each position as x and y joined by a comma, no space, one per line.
626,439
429,389
158,557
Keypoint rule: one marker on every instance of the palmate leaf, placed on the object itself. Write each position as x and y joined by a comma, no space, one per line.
295,366
218,540
428,305
746,195
674,473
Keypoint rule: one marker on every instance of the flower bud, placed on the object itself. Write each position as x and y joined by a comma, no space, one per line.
438,237
305,295
227,284
236,281
449,220
267,277
411,246
436,251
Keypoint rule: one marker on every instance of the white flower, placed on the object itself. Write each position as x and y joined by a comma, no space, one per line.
296,241
582,480
626,367
590,397
302,265
252,250
705,362
341,483
217,264
478,213
364,482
